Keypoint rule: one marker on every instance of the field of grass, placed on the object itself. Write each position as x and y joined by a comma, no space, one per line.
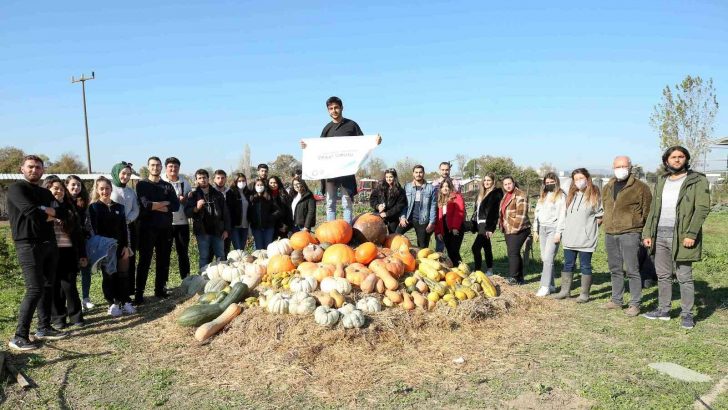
562,355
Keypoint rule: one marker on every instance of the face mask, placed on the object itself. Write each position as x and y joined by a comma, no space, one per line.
259,189
580,184
673,170
241,185
549,187
621,173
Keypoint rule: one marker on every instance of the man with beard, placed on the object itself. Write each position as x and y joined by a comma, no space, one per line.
421,210
180,226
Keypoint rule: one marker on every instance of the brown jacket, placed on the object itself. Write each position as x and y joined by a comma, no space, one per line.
629,211
515,219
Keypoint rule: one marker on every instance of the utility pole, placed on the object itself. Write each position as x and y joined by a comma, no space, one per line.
83,80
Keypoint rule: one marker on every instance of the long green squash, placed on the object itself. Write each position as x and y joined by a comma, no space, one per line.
196,315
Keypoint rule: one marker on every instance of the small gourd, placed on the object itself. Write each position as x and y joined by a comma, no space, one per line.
303,284
278,304
369,304
326,316
302,304
347,308
341,285
353,319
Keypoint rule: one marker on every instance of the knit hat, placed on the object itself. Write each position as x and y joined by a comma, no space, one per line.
116,170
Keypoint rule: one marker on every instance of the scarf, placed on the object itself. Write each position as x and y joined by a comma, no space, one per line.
115,171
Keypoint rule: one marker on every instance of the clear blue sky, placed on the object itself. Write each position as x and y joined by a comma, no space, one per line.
571,84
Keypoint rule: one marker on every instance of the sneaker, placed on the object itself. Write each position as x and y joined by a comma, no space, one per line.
80,324
632,311
86,304
543,291
128,309
50,334
114,310
18,343
687,321
657,314
612,305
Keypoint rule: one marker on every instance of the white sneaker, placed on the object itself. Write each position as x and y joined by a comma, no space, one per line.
114,310
543,291
489,272
86,304
128,309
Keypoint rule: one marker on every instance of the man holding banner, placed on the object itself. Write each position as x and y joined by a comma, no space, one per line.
336,161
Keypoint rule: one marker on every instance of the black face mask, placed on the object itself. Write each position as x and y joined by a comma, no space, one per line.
549,187
672,170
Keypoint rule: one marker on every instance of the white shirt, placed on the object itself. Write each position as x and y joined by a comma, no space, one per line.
670,194
295,202
182,187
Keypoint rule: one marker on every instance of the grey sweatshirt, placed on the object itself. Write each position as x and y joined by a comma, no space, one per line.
581,229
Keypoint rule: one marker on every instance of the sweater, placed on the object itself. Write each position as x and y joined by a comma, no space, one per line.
127,197
28,222
514,212
628,212
160,191
551,213
581,226
109,221
181,187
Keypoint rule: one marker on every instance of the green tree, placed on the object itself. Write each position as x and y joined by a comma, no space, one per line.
375,168
144,172
10,158
284,166
686,115
67,163
404,168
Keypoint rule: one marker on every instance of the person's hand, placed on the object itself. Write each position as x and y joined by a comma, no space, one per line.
126,252
303,145
383,214
488,234
455,232
200,204
557,238
182,199
304,229
647,242
51,212
403,222
224,235
430,228
439,236
82,262
379,139
688,243
380,207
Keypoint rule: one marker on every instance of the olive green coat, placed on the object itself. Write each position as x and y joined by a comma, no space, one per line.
693,206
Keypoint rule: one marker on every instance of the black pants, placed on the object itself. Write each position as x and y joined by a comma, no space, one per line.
482,242
38,263
134,246
392,225
151,240
116,285
66,301
181,238
452,245
514,243
423,238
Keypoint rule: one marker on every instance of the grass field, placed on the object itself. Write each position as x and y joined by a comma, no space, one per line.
558,355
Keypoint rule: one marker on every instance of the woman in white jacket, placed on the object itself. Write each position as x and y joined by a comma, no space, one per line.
548,227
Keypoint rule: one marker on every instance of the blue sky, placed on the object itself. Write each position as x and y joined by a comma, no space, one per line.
568,83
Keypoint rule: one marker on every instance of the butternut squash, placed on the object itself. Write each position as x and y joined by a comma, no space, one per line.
369,284
393,295
382,273
208,329
419,300
325,300
407,302
339,272
380,286
337,297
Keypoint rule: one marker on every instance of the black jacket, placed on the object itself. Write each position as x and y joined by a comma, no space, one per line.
305,214
213,218
235,205
488,211
285,217
395,201
346,128
148,192
109,221
262,212
27,221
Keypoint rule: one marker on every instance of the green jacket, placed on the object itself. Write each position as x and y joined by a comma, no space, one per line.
693,206
629,211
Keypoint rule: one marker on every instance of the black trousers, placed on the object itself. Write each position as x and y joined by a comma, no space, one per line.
134,246
514,243
116,285
452,245
153,240
66,301
423,238
38,263
392,226
181,238
482,243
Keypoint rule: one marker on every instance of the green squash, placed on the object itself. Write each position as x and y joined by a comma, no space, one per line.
197,315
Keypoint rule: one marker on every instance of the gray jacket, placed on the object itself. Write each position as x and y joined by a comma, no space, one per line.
581,228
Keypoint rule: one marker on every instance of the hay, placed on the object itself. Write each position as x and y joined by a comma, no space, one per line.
271,354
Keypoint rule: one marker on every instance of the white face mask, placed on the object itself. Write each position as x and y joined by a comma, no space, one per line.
259,189
580,184
241,185
621,173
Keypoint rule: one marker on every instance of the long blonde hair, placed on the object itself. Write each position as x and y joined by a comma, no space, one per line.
442,200
591,193
557,189
95,194
482,193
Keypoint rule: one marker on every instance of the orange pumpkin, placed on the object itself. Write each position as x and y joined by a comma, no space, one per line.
394,241
366,252
339,253
356,273
371,227
336,231
451,278
307,268
280,263
301,239
324,270
393,265
403,254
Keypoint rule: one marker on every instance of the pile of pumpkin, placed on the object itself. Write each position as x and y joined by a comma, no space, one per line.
344,272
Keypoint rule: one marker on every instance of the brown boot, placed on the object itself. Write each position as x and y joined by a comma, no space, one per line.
566,278
586,282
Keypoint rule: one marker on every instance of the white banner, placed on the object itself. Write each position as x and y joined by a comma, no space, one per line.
335,157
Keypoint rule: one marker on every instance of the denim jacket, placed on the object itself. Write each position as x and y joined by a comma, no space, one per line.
428,209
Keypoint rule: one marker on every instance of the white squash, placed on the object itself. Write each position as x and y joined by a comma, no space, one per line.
302,304
339,284
303,284
193,284
279,247
369,304
278,304
253,269
325,316
347,308
259,254
236,255
354,319
214,270
232,273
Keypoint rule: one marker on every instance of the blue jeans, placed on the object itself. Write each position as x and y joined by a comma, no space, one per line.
85,281
346,202
263,237
204,242
439,245
239,236
584,261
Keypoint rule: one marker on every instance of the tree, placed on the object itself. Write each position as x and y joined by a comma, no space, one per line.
686,116
375,168
283,166
245,162
500,166
404,168
144,172
545,168
67,164
460,160
10,158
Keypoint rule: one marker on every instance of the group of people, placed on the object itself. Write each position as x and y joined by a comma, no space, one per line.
60,228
